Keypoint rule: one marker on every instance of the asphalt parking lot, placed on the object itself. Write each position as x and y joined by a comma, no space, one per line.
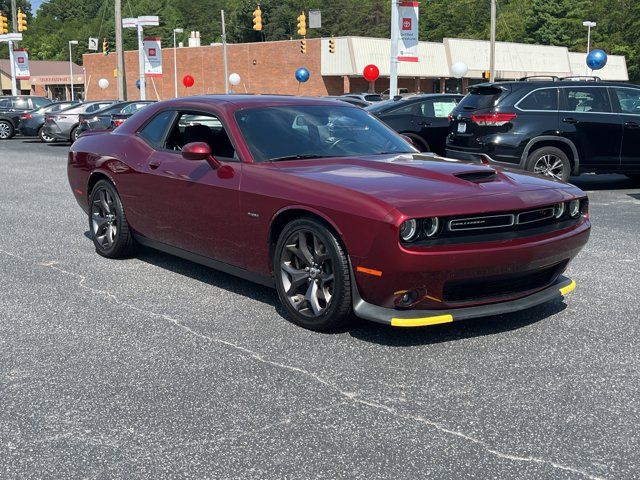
154,367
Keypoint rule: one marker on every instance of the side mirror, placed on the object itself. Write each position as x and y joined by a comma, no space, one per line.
199,151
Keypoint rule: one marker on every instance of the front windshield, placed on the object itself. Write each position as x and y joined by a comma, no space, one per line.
315,131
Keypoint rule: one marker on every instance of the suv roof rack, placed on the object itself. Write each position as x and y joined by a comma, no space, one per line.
553,78
586,78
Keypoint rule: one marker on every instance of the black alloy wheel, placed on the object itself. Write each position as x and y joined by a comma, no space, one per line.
312,276
550,162
107,222
6,130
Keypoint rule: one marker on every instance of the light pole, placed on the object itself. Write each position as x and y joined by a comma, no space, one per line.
71,42
588,24
175,61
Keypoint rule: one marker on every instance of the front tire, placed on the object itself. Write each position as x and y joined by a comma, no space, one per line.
550,162
75,133
6,130
108,224
44,136
312,276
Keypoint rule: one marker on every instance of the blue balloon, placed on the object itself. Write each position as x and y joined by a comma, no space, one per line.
596,59
302,74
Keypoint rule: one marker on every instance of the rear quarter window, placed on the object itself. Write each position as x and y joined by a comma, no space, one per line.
543,99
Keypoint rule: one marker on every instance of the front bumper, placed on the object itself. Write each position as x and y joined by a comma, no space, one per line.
418,318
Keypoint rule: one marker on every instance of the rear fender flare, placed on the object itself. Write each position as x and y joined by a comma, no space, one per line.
551,138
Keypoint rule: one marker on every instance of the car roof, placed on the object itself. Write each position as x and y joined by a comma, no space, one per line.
556,83
250,100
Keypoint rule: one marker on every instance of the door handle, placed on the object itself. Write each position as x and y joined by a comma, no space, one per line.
632,125
570,120
153,164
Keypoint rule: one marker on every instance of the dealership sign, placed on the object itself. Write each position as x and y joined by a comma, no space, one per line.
408,41
152,57
21,64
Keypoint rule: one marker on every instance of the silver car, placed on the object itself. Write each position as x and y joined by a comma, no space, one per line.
64,124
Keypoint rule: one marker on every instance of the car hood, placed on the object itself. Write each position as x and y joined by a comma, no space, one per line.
419,184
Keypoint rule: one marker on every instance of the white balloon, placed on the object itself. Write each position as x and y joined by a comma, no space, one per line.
103,83
234,79
459,69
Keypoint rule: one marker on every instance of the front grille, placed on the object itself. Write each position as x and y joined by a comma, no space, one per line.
457,291
481,223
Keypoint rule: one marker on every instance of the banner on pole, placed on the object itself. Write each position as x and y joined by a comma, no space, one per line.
21,64
152,57
408,28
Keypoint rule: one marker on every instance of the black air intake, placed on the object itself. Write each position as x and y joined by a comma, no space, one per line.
478,177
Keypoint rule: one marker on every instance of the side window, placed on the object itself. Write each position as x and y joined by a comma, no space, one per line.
21,103
154,131
593,99
544,99
413,108
40,102
5,103
442,108
629,100
192,127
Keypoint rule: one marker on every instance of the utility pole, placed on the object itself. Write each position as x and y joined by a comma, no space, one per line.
14,21
224,54
14,15
121,82
393,71
492,47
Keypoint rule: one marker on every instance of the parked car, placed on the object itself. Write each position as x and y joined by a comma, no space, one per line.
352,100
31,124
552,127
401,93
64,125
331,207
365,97
13,106
103,119
422,118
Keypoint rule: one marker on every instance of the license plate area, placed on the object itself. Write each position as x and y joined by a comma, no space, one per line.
462,127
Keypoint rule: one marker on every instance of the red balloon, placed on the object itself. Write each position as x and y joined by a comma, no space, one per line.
188,81
371,73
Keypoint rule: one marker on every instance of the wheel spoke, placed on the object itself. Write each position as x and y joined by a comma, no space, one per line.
304,247
297,277
312,298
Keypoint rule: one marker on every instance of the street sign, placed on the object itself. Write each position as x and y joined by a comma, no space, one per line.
315,19
11,37
93,44
149,21
129,22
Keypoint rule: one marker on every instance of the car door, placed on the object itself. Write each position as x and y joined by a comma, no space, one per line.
407,119
588,120
628,104
434,121
189,204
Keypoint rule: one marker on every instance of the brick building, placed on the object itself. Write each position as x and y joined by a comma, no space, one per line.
268,67
48,79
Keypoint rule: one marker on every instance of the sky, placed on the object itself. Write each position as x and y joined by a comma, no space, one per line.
35,4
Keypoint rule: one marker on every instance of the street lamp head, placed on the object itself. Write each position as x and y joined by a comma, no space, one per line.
178,30
588,23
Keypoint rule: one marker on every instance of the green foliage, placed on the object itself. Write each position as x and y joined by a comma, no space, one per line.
557,22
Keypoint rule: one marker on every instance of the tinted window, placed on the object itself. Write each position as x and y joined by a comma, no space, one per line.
629,100
480,98
40,102
442,108
133,107
373,98
155,130
318,130
21,103
545,99
5,103
586,100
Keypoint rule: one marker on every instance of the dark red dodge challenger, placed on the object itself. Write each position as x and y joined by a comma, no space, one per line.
327,204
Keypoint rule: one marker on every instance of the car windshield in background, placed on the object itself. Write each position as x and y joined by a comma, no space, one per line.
317,131
480,98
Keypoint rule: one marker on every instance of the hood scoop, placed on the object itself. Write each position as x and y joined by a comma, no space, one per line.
479,176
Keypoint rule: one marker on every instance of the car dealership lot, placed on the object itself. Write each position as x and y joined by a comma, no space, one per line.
156,367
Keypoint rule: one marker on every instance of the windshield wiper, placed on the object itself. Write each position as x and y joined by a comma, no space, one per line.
296,157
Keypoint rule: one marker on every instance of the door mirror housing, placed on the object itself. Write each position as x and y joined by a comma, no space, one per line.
200,151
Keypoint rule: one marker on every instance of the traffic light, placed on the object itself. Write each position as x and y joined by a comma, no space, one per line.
4,25
302,24
332,45
486,74
105,47
257,19
22,21
303,46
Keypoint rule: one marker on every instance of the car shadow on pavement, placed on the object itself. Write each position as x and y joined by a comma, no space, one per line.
604,182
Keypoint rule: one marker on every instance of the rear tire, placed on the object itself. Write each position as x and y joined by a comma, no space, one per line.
44,136
6,130
75,133
419,143
550,162
312,276
108,224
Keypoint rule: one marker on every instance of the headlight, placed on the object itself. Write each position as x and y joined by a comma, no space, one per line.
409,230
574,208
558,210
431,226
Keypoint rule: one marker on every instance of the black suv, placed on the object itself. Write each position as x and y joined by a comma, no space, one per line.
12,107
558,127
